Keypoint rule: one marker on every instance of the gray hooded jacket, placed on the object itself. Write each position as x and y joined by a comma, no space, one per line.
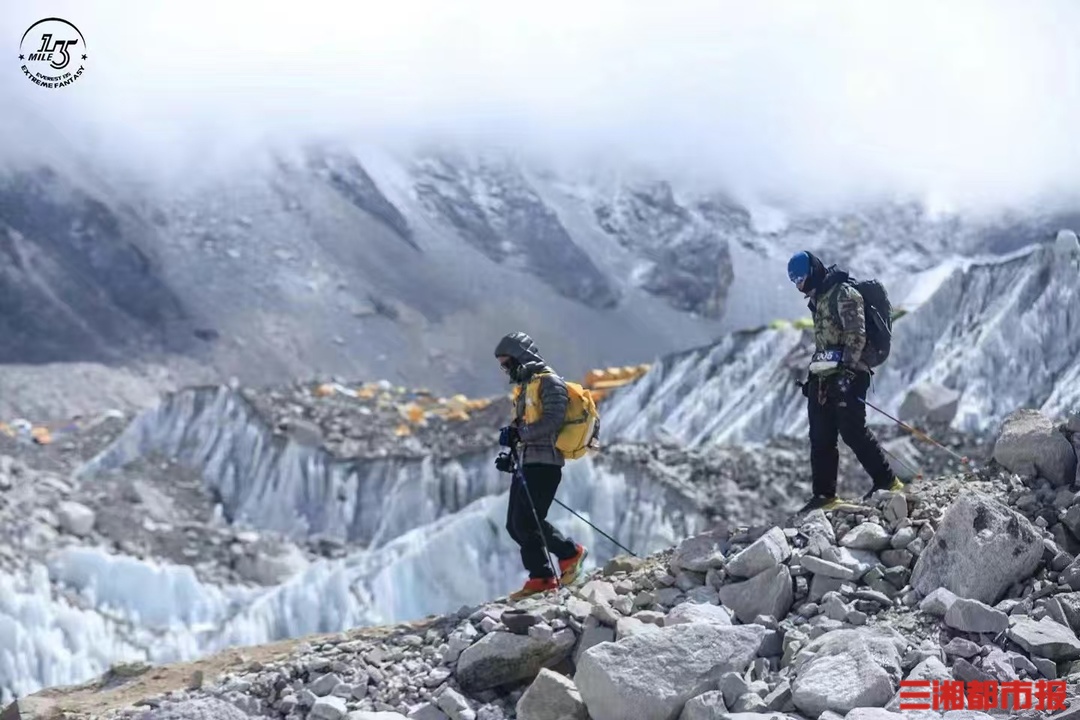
538,438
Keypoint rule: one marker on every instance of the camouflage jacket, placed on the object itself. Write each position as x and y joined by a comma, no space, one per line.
840,323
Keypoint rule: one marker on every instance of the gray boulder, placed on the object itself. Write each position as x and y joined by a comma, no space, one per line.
767,593
1029,444
75,518
938,602
551,697
698,612
702,552
817,566
867,536
763,554
972,616
847,669
930,402
503,657
707,706
1044,638
980,549
652,675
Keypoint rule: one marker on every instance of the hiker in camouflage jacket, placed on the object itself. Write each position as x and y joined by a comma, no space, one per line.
839,380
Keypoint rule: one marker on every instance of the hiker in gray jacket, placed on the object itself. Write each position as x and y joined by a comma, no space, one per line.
540,401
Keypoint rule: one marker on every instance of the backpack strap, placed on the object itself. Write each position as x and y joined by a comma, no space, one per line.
835,304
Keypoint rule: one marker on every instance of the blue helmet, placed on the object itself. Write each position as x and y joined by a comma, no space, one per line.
798,268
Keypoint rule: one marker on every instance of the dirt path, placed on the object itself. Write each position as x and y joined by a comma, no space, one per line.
126,685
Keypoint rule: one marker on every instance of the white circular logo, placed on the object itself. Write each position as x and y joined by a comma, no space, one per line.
53,53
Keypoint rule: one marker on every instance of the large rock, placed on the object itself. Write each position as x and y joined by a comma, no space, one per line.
503,657
763,554
1030,444
75,518
847,669
972,616
703,551
980,549
707,706
930,402
817,566
931,668
651,676
767,593
551,697
272,569
867,536
689,612
1065,608
1044,638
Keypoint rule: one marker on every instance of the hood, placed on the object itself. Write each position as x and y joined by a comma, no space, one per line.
818,273
833,276
520,347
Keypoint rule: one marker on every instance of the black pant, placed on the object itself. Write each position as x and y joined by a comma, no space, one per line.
831,414
543,482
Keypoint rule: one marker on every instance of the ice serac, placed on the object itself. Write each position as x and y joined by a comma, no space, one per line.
272,483
1002,333
740,389
122,607
295,488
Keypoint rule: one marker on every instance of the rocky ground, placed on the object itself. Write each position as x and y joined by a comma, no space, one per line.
969,576
379,419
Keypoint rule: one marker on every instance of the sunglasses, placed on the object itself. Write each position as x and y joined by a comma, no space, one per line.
506,364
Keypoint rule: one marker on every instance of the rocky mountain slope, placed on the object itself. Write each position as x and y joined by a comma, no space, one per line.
969,577
383,503
214,518
369,263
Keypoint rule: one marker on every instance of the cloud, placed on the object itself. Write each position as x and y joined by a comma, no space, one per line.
967,103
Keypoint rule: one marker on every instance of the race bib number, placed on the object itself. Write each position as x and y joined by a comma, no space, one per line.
824,360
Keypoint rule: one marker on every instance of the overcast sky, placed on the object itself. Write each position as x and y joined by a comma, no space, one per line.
969,103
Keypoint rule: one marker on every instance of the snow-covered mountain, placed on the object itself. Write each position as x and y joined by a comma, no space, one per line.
408,265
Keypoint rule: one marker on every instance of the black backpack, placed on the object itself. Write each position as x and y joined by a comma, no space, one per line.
878,312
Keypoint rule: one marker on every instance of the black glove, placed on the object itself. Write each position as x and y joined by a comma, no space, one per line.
504,463
805,387
508,436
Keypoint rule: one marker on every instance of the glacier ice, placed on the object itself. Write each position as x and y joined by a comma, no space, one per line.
69,621
1004,332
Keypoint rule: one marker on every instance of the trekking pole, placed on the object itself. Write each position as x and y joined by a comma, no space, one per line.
916,472
963,459
620,545
539,528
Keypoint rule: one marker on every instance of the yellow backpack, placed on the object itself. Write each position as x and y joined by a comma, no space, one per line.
580,428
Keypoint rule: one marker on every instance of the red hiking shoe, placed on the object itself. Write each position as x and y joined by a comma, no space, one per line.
535,586
571,567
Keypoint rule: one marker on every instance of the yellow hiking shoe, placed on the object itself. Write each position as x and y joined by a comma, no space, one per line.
822,502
